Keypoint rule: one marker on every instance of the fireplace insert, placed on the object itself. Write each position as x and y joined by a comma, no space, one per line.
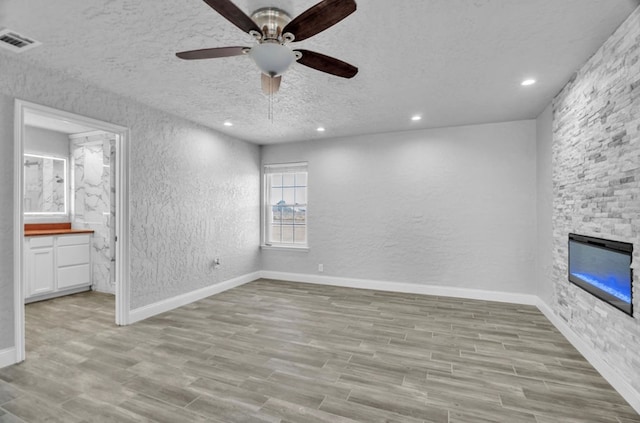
603,268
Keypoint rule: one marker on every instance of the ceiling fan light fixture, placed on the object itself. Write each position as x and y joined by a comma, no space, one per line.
273,59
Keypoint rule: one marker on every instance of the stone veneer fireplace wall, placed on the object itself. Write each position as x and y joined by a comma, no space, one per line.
596,189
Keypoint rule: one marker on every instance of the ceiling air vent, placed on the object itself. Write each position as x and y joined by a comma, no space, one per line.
15,42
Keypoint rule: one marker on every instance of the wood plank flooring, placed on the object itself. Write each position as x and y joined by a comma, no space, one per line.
282,352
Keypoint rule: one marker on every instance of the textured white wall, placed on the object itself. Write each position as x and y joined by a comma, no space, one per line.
194,192
453,207
544,203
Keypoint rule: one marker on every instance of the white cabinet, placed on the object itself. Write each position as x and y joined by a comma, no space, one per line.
56,265
39,257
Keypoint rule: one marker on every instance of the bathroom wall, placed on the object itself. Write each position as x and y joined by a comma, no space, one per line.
93,208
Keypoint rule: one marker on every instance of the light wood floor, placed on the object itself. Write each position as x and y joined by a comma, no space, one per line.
287,352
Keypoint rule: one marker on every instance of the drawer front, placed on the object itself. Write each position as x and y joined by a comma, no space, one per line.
73,239
40,241
74,276
71,255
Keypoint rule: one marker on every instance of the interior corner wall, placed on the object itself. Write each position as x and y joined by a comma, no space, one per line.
450,207
596,187
544,205
194,192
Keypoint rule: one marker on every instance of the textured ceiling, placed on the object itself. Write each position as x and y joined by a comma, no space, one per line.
455,62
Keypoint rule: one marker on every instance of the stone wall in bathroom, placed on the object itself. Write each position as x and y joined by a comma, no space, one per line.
93,205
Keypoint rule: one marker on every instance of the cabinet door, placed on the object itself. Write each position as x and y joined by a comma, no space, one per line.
40,276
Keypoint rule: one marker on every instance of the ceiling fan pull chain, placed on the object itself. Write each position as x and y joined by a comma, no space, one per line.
271,100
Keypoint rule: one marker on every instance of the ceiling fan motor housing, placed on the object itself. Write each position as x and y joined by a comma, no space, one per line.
271,21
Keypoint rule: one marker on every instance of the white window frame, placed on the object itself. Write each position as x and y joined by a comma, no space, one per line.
267,170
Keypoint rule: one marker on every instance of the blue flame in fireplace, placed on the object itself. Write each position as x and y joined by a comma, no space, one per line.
611,285
605,269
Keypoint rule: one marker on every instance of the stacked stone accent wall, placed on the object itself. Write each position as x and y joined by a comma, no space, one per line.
596,183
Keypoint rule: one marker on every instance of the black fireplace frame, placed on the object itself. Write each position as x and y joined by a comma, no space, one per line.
605,244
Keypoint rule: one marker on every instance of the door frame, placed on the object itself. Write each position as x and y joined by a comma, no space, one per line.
122,213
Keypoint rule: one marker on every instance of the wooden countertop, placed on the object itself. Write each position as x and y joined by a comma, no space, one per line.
42,229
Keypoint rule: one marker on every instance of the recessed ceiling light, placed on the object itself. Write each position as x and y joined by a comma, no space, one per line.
320,129
528,82
227,123
416,118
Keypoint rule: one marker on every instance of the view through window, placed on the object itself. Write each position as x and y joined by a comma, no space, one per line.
286,205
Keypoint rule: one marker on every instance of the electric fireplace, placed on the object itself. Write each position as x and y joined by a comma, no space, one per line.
603,268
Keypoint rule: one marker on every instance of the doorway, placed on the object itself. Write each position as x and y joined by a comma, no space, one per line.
88,190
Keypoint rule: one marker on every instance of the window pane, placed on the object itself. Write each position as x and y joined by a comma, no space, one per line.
300,215
301,196
287,234
287,215
288,195
276,180
275,233
275,195
301,179
277,214
288,179
300,234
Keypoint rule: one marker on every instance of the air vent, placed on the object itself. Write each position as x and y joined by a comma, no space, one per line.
15,42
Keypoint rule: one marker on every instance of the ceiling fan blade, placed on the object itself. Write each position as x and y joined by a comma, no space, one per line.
319,17
212,53
327,64
270,85
233,14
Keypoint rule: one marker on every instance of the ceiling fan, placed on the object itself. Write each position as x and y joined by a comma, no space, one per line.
273,30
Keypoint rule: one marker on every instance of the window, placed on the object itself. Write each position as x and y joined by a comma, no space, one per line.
285,212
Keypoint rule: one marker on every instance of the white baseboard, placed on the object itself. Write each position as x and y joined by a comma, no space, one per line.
150,310
628,392
8,357
405,287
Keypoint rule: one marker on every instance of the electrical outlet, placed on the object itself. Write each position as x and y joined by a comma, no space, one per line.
216,263
321,268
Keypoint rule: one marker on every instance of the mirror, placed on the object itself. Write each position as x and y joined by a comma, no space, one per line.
45,185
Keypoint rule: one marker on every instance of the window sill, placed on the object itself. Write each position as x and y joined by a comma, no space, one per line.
284,248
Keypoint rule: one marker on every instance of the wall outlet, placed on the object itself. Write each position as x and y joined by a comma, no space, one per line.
321,268
216,263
